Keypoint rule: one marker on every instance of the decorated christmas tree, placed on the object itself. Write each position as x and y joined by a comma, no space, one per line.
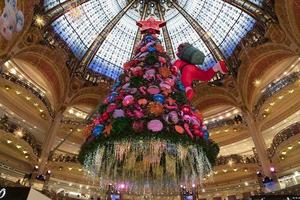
146,133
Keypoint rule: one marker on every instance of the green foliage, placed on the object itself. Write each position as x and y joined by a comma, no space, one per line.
122,132
151,59
137,81
180,97
121,125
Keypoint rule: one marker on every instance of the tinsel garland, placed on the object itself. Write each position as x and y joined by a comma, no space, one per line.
209,147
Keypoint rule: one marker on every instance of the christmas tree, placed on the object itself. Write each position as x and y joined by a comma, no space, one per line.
145,132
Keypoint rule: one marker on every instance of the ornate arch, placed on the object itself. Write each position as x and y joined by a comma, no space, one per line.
50,64
288,13
256,63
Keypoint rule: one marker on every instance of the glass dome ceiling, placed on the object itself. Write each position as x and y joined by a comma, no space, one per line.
82,23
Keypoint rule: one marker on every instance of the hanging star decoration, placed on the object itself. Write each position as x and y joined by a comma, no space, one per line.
150,24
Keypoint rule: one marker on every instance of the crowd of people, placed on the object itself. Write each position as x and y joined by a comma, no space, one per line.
34,90
274,88
283,136
64,158
236,159
10,127
237,119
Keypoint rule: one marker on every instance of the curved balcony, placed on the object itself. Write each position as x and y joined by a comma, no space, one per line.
282,136
75,122
64,157
238,119
29,86
9,126
236,159
274,88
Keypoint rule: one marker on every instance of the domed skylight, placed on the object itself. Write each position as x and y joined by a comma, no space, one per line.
82,22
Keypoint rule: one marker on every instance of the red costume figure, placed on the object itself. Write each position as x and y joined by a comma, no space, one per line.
190,73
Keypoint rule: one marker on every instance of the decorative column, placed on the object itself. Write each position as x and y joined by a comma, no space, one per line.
50,139
259,142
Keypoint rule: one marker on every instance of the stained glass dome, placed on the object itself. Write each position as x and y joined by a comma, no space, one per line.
81,23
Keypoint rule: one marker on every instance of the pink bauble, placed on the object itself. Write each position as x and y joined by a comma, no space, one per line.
153,90
155,125
138,114
173,117
164,85
138,126
170,81
111,107
186,109
128,100
118,113
137,71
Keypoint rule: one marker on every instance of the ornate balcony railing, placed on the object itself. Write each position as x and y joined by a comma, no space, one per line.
9,126
63,157
27,85
282,136
274,88
75,122
236,159
238,119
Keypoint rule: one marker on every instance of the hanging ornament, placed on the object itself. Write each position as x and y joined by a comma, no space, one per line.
164,72
159,48
179,129
172,117
112,97
159,98
118,113
151,49
137,71
98,130
155,109
107,129
155,125
104,117
153,89
205,134
142,102
149,74
186,109
180,85
128,100
138,126
111,107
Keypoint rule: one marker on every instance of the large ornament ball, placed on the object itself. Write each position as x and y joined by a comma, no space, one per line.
148,38
153,90
186,109
155,125
112,97
179,129
128,100
159,48
180,85
173,117
206,135
111,107
164,72
142,102
138,126
118,113
151,49
198,133
155,109
137,71
104,116
98,130
159,98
